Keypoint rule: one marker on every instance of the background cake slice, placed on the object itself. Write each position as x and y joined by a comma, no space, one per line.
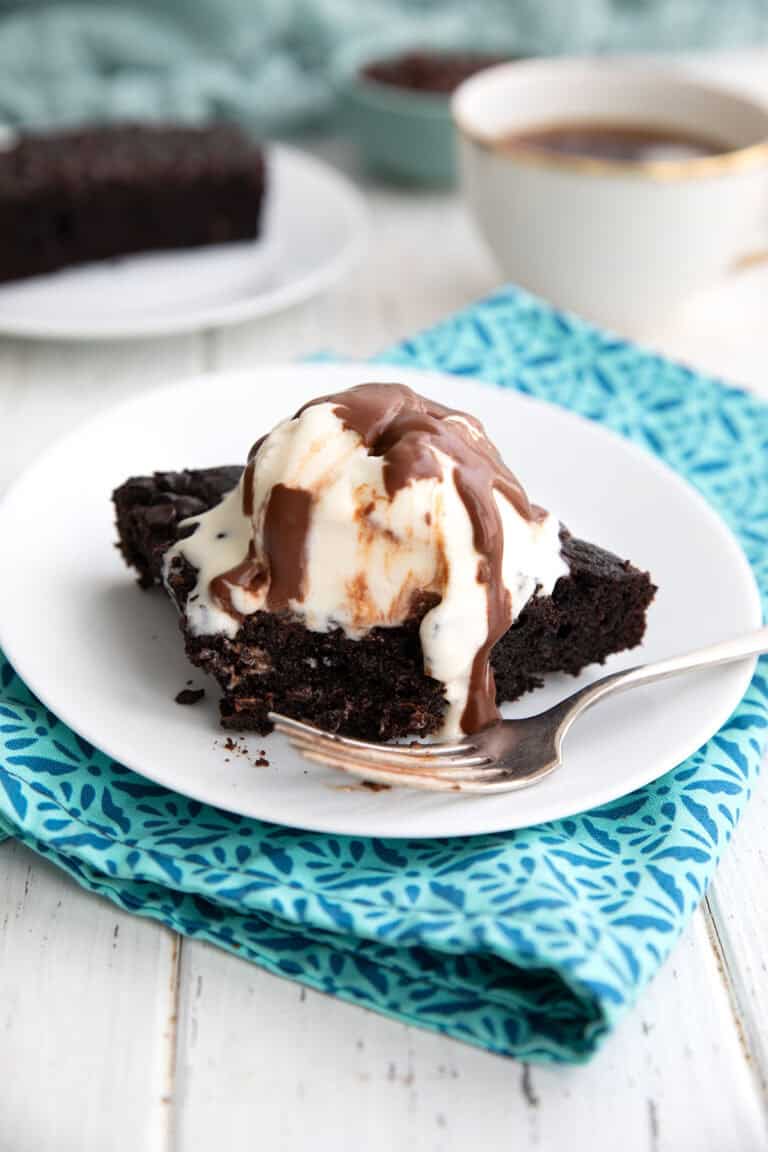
85,195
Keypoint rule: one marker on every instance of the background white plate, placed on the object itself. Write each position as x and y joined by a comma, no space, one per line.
108,659
313,228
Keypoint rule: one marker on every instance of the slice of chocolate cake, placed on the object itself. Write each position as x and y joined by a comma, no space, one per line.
150,508
376,571
78,196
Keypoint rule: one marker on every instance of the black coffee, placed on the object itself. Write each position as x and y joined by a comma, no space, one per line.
615,141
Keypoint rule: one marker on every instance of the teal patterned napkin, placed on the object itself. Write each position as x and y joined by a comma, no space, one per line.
530,943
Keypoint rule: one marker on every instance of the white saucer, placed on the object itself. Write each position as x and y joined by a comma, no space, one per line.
313,228
108,658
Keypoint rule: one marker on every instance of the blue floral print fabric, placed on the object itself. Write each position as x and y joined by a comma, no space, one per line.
530,943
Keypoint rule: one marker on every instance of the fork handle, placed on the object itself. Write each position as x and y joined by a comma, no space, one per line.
741,648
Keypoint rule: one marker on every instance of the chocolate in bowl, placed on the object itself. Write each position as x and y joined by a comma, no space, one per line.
397,107
437,73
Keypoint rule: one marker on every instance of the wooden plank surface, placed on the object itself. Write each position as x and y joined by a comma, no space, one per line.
91,1056
87,1023
262,1051
87,1029
738,924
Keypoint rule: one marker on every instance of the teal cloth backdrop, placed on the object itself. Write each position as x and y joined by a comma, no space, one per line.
532,943
273,63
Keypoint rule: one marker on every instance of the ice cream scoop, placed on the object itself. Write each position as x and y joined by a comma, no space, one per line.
365,509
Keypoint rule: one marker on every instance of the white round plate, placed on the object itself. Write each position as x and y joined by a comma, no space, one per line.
108,658
313,229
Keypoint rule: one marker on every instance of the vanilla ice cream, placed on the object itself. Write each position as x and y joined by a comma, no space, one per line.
362,507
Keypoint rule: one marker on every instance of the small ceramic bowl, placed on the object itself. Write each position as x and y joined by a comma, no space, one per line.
403,128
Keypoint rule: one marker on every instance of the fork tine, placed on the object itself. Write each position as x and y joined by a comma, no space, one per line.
288,726
428,781
386,755
477,782
448,770
380,776
403,771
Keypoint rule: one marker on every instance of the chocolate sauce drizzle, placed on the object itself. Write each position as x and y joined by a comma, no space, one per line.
286,526
406,430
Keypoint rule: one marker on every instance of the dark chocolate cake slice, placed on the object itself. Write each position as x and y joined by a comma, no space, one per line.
149,509
373,687
73,197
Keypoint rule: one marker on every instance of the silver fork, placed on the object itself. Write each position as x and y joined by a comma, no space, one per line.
507,755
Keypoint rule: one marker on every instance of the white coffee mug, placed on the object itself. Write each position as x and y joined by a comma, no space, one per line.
619,242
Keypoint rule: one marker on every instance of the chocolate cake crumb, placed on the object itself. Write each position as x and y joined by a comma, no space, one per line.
375,786
189,695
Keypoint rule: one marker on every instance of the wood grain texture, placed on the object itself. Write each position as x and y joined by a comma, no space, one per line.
262,1051
86,1031
87,1039
92,1055
738,925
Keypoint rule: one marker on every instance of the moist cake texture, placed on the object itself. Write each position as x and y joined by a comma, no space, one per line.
149,510
85,195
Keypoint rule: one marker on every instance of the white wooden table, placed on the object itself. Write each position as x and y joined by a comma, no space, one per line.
117,1034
